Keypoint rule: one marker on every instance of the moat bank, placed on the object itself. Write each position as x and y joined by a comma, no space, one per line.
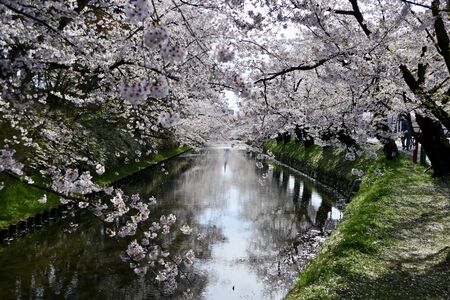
393,240
19,200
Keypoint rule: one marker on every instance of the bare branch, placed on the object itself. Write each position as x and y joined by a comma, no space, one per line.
422,5
291,69
344,12
359,17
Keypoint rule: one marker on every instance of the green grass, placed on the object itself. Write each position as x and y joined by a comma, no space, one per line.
325,164
120,171
19,200
392,243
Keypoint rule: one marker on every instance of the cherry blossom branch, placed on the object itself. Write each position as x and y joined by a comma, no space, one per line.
357,14
301,67
39,21
198,5
265,50
44,188
423,5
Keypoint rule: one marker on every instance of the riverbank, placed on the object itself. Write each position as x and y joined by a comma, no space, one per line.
19,200
393,241
327,165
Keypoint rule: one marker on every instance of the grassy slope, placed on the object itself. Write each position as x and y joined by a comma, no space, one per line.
317,161
393,242
315,155
118,172
19,200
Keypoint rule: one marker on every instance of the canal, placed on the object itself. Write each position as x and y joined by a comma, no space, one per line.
259,221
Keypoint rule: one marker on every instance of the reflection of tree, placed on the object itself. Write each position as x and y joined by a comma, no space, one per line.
278,223
199,191
153,178
301,204
322,214
276,175
51,263
285,180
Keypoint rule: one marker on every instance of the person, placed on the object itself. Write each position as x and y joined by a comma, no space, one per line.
407,134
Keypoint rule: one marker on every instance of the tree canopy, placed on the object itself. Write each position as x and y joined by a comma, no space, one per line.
86,82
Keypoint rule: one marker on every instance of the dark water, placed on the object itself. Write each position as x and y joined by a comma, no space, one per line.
250,217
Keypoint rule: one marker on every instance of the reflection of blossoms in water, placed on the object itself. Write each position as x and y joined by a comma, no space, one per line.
261,181
291,260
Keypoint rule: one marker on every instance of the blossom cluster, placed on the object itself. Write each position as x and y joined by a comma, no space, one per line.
7,162
120,207
224,53
71,181
357,172
138,93
156,38
138,10
167,120
173,53
241,86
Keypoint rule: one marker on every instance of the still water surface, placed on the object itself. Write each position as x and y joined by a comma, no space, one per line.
249,215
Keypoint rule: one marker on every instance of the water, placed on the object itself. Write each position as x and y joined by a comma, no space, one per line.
251,218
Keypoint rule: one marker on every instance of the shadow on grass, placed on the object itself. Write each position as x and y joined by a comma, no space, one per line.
400,283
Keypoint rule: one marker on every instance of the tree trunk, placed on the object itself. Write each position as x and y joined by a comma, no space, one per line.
286,138
308,141
390,149
435,144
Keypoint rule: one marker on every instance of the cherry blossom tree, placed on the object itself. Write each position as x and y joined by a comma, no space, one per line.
76,75
87,83
350,70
